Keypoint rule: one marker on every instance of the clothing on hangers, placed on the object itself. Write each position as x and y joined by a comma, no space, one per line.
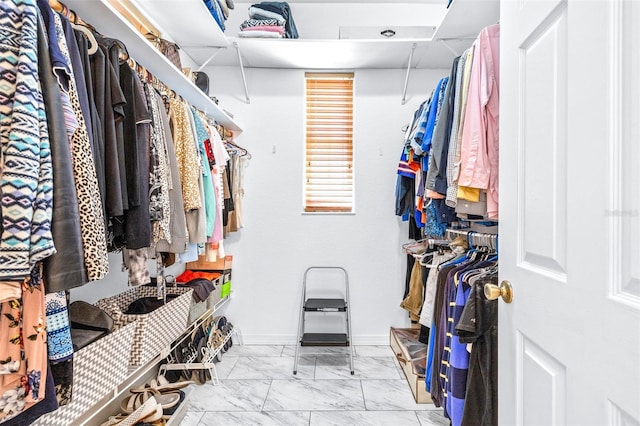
454,140
109,115
446,296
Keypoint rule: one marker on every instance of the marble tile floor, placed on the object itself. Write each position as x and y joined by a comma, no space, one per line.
257,387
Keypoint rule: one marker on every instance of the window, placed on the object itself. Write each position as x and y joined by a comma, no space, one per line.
328,183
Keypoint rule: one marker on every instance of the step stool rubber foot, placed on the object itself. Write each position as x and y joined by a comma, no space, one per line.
352,373
295,372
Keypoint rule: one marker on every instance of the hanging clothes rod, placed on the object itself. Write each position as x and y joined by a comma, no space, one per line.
475,239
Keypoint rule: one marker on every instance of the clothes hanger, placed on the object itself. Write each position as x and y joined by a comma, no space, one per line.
93,43
76,23
132,63
415,247
242,150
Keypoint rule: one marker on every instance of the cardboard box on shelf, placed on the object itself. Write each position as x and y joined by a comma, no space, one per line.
221,264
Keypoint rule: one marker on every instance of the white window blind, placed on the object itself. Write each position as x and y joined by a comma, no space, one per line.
329,143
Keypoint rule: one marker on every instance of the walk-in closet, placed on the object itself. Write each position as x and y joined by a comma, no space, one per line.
340,212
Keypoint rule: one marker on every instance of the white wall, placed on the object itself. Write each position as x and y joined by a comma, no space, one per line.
278,242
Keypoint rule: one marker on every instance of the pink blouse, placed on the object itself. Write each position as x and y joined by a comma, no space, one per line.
479,158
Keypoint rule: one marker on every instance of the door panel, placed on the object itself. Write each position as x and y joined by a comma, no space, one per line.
622,304
535,11
546,380
624,209
570,212
542,211
618,417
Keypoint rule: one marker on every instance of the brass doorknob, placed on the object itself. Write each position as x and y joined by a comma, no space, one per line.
492,291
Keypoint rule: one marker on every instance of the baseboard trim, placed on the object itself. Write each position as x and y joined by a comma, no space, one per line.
288,339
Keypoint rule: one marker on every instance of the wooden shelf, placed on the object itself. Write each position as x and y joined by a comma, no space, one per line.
111,23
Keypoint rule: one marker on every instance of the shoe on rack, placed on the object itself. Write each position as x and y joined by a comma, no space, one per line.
140,396
149,411
162,385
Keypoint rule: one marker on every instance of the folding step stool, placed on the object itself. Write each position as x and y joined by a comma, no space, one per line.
324,305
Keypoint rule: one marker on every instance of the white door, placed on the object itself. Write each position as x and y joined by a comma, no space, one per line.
570,212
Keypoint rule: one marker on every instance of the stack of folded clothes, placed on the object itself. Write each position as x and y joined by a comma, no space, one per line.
219,9
269,19
189,275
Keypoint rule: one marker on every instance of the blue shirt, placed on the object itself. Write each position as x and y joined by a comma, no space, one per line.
427,123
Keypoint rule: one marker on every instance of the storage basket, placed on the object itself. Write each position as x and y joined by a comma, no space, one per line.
411,355
225,283
196,309
225,289
97,370
154,331
215,295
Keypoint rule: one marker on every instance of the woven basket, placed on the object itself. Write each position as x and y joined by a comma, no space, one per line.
97,370
196,309
154,331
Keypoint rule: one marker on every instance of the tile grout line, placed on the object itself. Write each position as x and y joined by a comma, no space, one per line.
266,397
364,400
415,412
315,370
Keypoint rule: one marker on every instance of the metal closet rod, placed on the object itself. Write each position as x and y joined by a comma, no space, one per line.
475,239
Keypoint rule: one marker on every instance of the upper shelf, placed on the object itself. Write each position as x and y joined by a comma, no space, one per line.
111,23
465,18
198,30
456,29
338,54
